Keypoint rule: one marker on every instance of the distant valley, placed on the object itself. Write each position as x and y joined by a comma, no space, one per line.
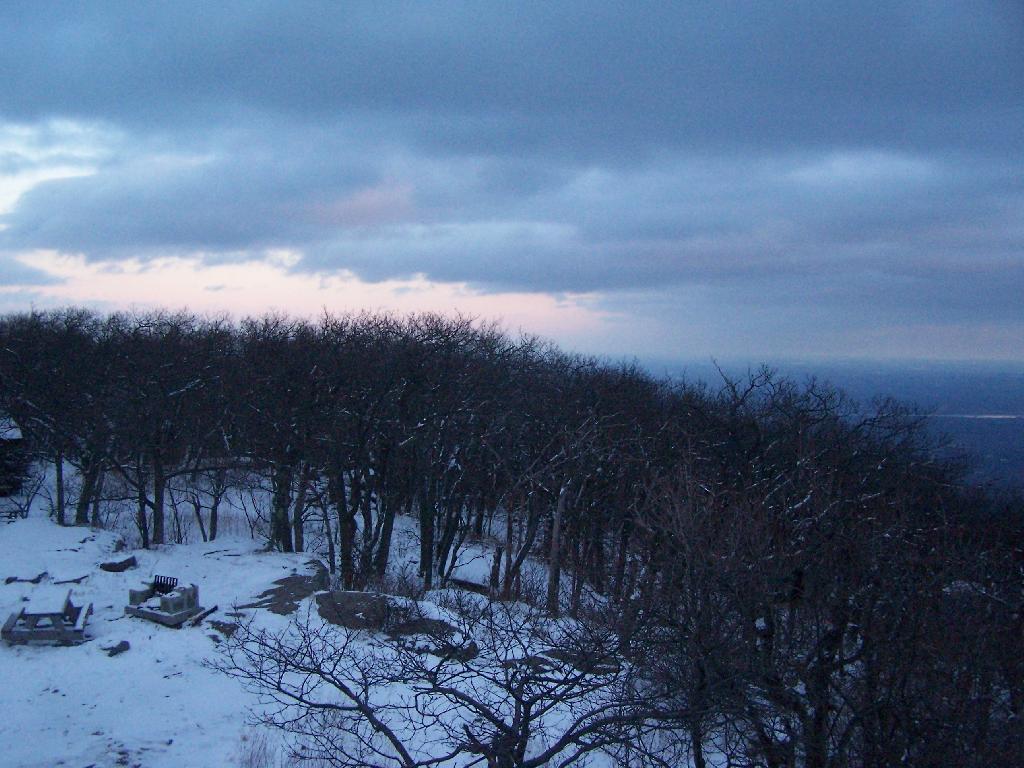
977,408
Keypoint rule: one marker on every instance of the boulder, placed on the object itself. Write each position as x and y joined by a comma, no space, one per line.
118,649
119,566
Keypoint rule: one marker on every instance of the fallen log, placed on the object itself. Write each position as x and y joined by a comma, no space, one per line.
79,580
35,580
196,620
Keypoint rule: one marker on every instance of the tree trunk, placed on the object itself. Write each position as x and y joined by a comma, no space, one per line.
506,584
697,744
816,721
380,562
299,508
141,520
97,494
214,510
492,583
280,528
328,534
198,507
597,565
179,534
512,576
620,560
58,465
577,580
366,547
90,471
453,557
478,520
346,527
452,524
555,556
159,486
217,494
427,535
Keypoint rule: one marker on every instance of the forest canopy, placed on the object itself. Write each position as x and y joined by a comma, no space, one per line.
809,583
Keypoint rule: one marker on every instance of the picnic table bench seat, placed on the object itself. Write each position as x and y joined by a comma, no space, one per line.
82,618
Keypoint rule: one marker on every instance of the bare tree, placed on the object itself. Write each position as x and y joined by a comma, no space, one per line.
495,684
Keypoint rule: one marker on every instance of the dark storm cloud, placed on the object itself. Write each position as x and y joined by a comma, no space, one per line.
860,156
522,74
228,194
585,81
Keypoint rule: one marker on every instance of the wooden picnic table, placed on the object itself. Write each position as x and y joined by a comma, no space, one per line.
48,615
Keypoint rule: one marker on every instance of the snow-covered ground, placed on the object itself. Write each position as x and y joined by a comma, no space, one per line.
154,705
158,704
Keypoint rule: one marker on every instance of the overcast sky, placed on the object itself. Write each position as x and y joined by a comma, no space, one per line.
672,180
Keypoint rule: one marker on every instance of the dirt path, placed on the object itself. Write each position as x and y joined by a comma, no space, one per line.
286,594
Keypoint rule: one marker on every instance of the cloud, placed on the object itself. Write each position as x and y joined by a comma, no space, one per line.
15,275
598,76
828,164
264,281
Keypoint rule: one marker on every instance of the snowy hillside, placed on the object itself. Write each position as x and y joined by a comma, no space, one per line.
160,703
156,704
